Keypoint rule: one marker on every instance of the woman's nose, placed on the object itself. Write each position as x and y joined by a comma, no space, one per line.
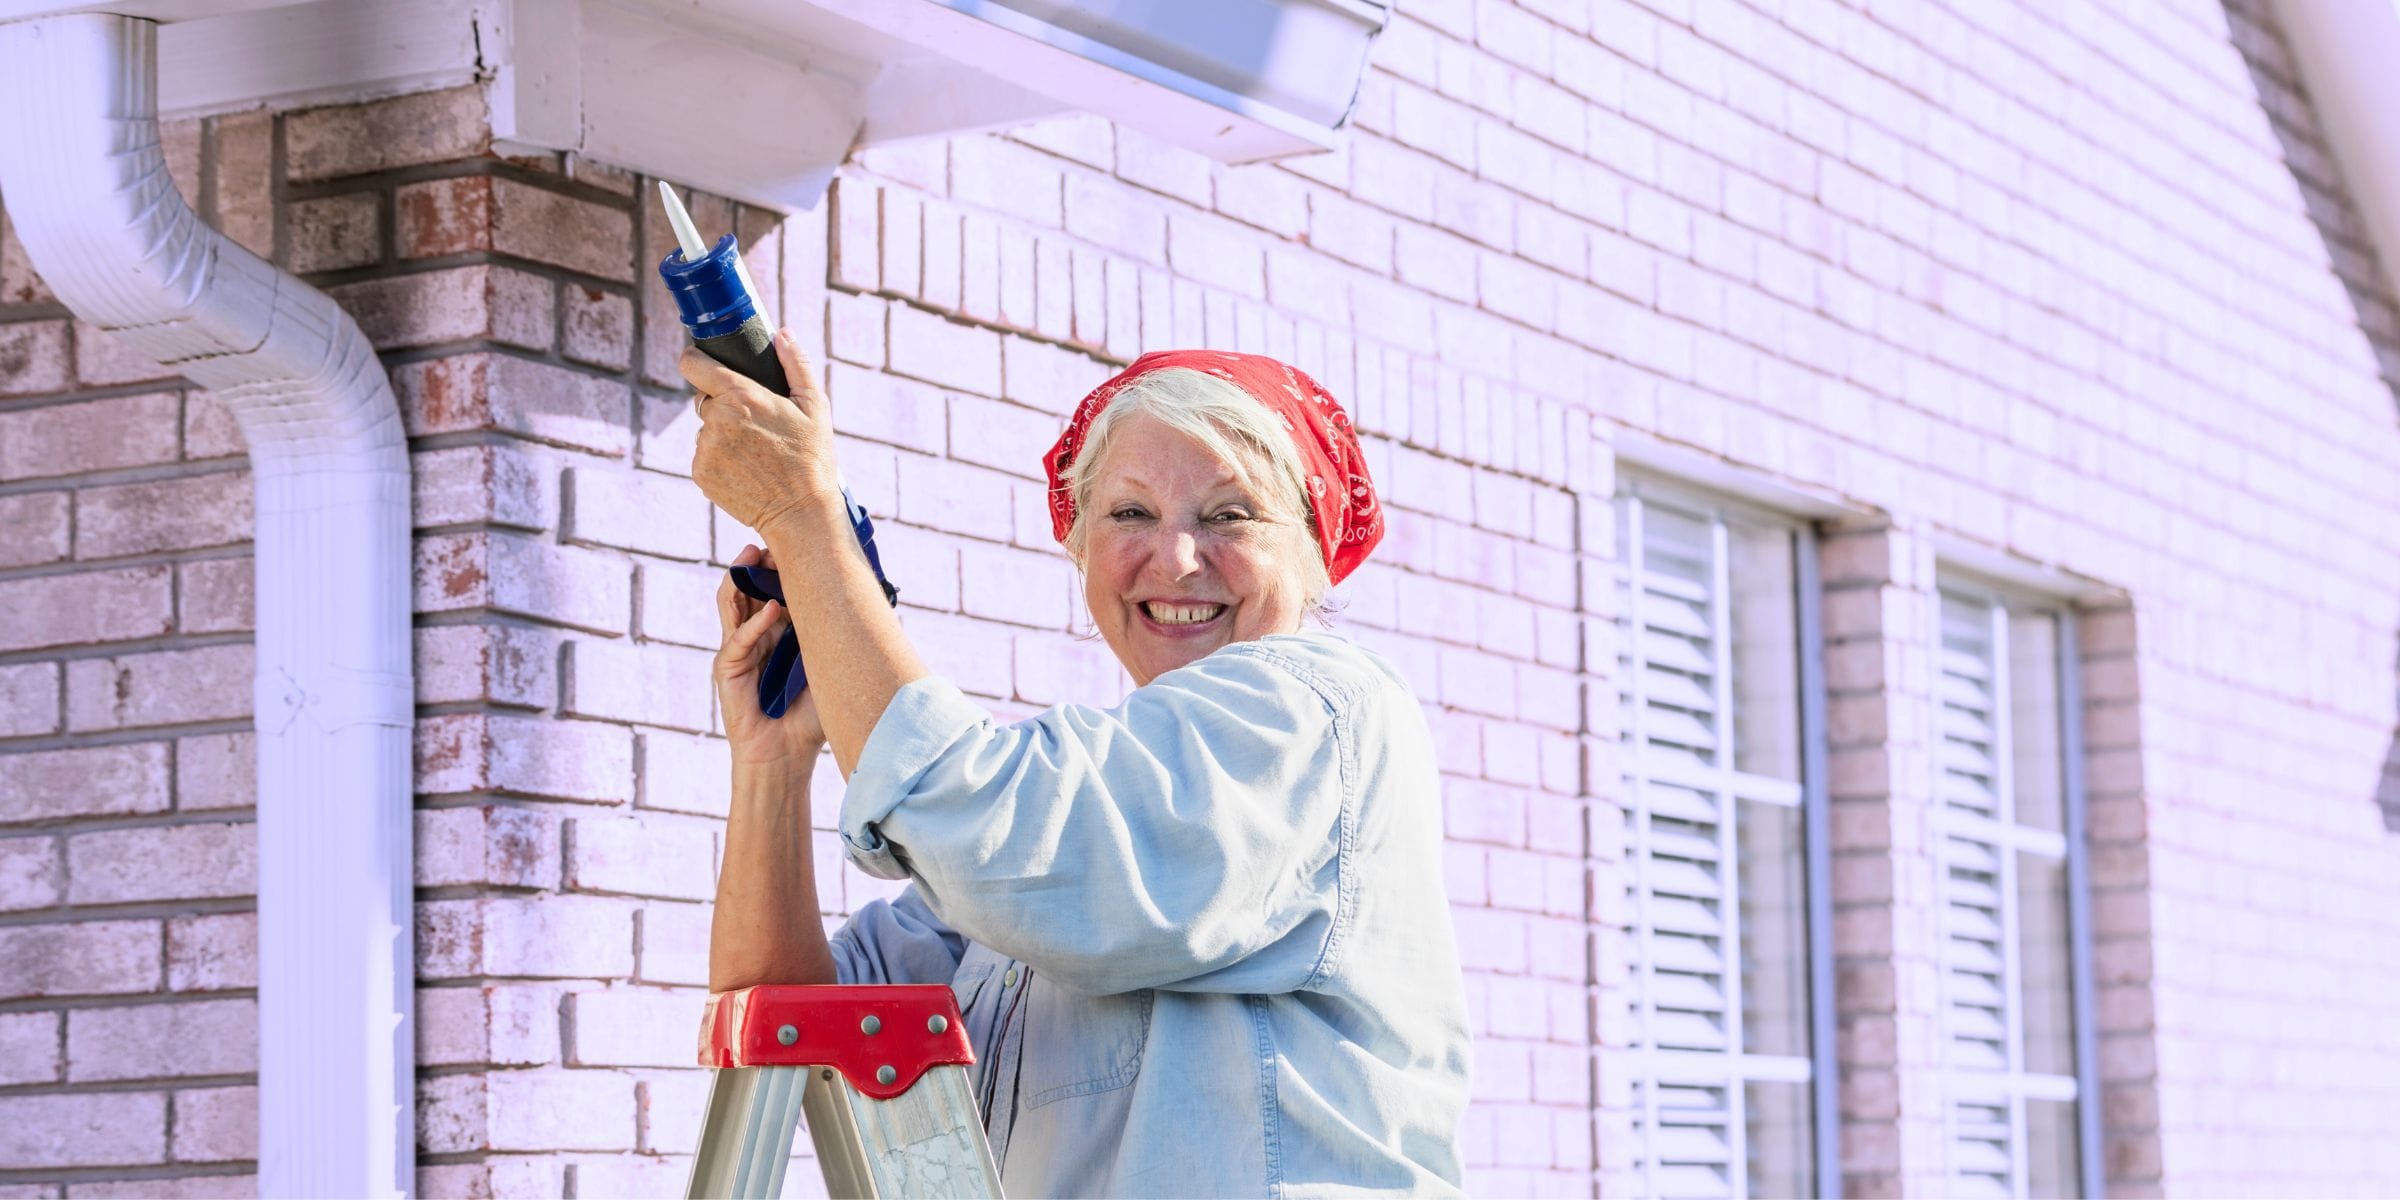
1183,552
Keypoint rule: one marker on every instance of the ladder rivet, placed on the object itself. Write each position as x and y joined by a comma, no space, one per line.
937,1023
872,1024
788,1034
885,1076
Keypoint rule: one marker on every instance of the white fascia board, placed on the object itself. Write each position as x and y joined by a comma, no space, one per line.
661,98
331,51
162,11
2349,57
1080,73
219,56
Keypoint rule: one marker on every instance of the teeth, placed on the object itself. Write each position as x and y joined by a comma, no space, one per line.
1183,614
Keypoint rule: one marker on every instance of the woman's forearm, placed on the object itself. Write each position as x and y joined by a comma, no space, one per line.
857,656
766,928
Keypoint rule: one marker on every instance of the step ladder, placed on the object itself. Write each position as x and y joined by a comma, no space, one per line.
878,1070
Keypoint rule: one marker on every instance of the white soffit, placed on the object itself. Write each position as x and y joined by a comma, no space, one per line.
2349,59
761,99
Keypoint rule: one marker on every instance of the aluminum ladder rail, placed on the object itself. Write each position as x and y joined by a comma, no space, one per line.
879,1071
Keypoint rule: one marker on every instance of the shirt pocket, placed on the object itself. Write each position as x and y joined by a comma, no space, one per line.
1077,1045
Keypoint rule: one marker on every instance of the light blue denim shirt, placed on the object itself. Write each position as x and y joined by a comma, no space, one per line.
1200,939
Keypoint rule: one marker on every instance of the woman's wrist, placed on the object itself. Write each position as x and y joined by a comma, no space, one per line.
802,512
780,776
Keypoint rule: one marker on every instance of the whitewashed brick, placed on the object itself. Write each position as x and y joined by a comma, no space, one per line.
1048,377
533,937
997,174
153,1041
46,784
213,953
655,856
519,575
216,771
929,347
164,862
32,872
636,510
489,844
214,1125
504,664
674,942
499,484
83,1130
678,603
645,684
566,760
633,1027
685,773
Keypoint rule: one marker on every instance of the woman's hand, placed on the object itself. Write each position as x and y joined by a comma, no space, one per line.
760,455
750,628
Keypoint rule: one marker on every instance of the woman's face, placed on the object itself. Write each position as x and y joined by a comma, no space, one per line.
1180,556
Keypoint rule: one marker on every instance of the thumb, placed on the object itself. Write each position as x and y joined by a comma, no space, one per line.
797,370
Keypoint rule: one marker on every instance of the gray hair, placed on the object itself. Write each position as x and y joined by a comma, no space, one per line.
1234,426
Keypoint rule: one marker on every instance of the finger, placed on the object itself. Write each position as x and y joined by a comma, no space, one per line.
766,558
731,607
798,372
734,605
709,377
729,613
747,641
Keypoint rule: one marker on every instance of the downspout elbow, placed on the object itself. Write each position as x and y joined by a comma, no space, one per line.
89,193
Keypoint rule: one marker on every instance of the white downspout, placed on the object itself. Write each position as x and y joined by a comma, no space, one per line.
88,190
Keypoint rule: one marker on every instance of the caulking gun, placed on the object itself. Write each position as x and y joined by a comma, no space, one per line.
719,305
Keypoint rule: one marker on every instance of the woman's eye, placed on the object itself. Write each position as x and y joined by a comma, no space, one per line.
1230,516
1127,514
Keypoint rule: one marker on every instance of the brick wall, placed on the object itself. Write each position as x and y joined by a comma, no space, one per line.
2076,287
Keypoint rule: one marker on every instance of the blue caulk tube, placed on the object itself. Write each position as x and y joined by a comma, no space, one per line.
719,306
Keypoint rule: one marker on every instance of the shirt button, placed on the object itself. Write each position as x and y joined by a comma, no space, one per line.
1010,979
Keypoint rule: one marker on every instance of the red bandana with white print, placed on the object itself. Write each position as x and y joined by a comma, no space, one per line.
1340,494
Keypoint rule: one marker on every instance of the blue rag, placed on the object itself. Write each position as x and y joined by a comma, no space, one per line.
780,685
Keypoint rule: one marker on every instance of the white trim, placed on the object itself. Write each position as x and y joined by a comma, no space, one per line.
2011,576
90,196
1647,452
2345,49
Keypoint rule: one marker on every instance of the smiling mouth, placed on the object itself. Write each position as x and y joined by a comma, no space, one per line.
1181,614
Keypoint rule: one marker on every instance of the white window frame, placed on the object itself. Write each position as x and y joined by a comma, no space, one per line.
1732,1068
2011,1086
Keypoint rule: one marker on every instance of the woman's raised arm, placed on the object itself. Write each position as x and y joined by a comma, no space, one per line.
767,460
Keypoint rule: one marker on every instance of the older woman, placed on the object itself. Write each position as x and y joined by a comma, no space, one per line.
1199,938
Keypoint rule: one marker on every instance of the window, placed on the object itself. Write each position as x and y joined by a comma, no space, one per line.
1718,627
2006,813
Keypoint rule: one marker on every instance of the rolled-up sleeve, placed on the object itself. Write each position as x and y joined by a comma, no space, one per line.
896,941
1189,838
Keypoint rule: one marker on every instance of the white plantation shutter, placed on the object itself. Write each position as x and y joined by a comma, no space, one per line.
1974,912
1980,842
1675,690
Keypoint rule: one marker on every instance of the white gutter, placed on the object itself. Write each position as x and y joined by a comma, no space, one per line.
89,193
2347,52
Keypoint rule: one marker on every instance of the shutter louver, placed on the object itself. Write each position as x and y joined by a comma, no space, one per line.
1692,777
1675,831
1976,894
1973,918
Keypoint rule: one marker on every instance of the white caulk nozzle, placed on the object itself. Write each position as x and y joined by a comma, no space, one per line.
693,248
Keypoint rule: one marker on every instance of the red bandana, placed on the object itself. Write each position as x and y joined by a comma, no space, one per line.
1342,497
